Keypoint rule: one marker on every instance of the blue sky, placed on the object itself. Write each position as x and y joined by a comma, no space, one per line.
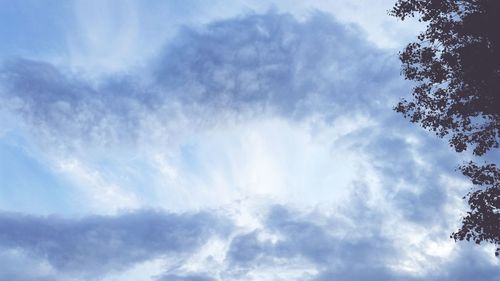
221,140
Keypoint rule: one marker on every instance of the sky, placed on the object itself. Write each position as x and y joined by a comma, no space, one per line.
220,140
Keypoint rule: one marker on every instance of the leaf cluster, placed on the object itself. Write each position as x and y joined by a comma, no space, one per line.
483,220
456,65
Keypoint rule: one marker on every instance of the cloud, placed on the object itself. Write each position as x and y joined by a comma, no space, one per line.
275,62
300,237
97,244
186,278
335,249
271,76
62,105
255,64
258,105
19,267
288,243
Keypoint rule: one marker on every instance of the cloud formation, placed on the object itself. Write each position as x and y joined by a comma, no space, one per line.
244,106
275,61
254,64
95,244
289,243
185,278
334,248
312,75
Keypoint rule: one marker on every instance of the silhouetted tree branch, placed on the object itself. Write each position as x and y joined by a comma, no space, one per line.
456,66
483,220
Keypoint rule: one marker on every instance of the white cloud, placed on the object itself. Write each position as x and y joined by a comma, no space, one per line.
101,195
111,36
235,117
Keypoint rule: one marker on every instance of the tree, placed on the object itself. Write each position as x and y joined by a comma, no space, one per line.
482,222
456,66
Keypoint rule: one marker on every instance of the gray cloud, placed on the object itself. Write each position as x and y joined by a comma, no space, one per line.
68,107
364,253
275,61
173,277
91,247
98,244
303,236
253,64
18,267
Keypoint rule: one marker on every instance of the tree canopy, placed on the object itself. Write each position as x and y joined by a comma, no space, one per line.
455,63
482,222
